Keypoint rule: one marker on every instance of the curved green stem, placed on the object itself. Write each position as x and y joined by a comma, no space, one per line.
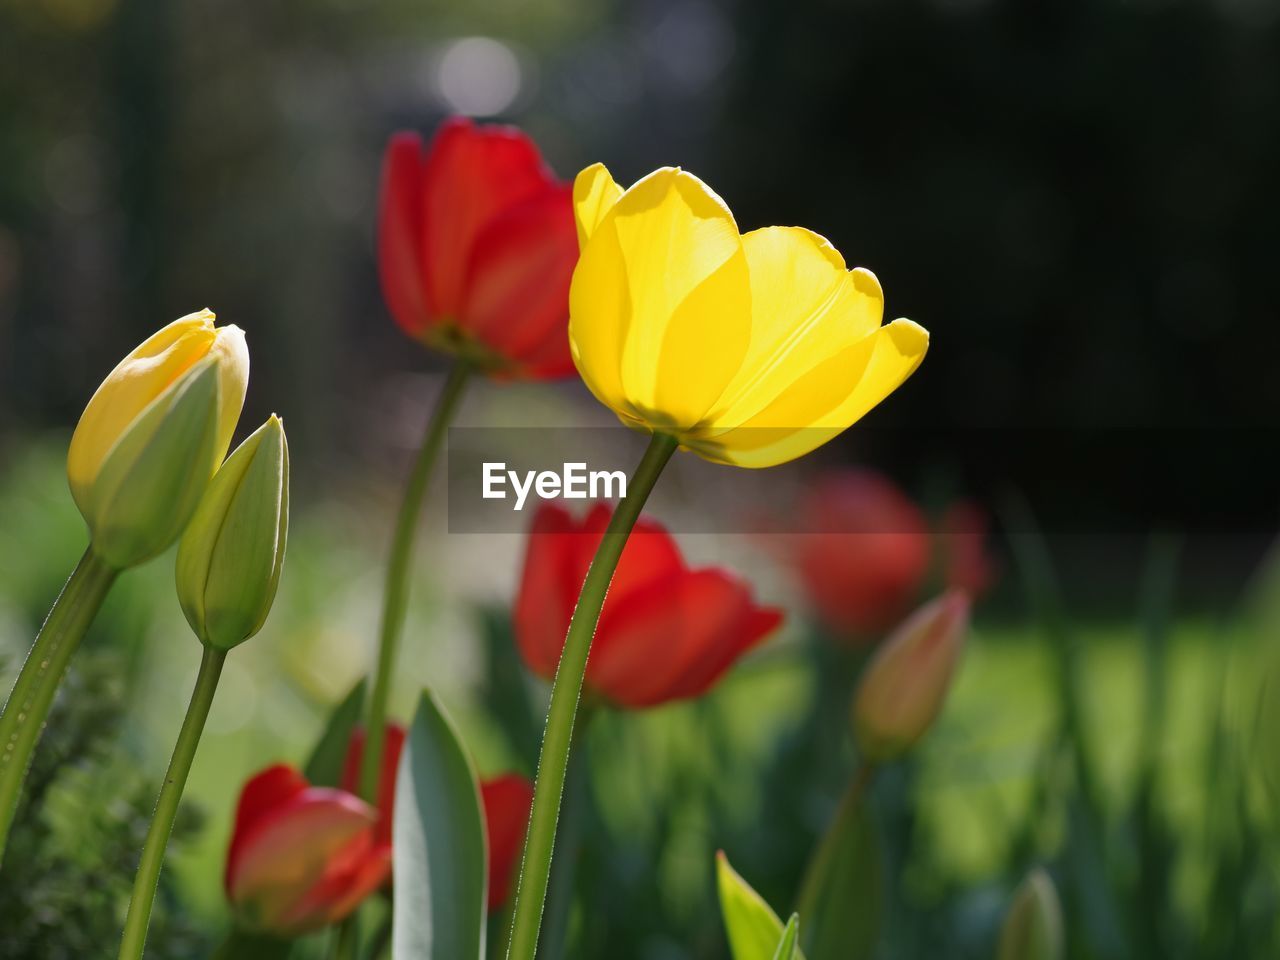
22,719
395,599
818,873
554,935
535,869
175,778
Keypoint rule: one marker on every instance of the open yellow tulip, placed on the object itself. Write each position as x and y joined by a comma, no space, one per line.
750,349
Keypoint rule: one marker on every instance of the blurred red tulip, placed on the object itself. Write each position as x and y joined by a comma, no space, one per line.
301,857
476,247
507,800
386,782
666,632
863,553
966,564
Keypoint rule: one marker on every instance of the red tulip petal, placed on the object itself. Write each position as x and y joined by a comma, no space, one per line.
650,554
349,877
673,638
400,234
351,764
472,174
287,849
700,675
261,797
558,552
507,801
516,295
546,597
966,563
867,553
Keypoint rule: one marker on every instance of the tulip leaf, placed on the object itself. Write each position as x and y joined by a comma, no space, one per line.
787,948
439,858
324,766
754,930
240,945
841,893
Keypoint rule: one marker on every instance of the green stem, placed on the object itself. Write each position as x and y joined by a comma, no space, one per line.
535,868
818,873
345,943
23,717
175,778
559,902
395,599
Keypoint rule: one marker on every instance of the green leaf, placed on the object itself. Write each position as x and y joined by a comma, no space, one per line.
787,945
240,945
324,766
439,858
754,930
841,893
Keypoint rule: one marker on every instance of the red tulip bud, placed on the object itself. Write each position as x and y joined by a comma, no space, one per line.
906,683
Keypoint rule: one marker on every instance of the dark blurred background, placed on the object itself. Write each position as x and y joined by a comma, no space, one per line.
1079,199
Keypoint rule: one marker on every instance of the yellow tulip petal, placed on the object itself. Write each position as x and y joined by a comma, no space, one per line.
231,354
130,388
660,303
805,308
594,194
824,402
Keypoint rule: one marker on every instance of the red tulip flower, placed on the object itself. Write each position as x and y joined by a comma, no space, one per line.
350,780
667,632
301,857
304,857
864,552
476,247
966,563
507,800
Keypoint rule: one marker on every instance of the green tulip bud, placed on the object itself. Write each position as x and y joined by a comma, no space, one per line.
1033,927
230,557
152,435
150,483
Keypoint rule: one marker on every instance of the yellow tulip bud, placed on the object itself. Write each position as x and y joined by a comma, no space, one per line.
905,684
230,557
152,435
1033,927
750,349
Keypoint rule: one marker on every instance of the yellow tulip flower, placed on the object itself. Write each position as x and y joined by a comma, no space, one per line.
153,433
750,349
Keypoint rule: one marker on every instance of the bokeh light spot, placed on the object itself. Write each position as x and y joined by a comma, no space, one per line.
479,76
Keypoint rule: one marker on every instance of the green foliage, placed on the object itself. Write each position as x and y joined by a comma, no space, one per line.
753,929
68,872
787,948
841,897
324,766
439,845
